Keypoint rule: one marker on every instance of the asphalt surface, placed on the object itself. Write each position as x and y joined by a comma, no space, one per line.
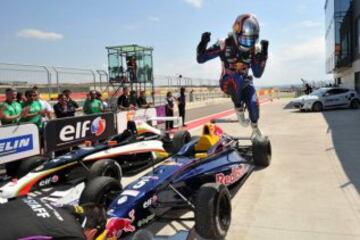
209,109
311,189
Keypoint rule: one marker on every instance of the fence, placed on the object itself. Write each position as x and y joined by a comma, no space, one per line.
51,80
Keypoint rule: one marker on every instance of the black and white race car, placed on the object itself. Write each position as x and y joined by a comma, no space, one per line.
132,151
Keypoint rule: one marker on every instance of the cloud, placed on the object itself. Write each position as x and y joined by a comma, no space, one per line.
287,65
153,19
195,3
39,34
312,48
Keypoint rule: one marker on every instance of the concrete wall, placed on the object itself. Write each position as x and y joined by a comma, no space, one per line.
348,76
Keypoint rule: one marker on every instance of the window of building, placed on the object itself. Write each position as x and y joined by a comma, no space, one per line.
357,41
357,82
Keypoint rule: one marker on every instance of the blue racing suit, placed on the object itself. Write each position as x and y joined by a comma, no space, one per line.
235,80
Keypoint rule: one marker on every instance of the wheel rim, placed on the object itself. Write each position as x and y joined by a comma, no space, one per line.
108,196
109,171
317,107
224,212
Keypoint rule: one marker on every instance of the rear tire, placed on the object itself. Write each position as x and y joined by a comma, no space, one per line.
28,164
355,104
213,211
261,150
317,107
101,190
180,139
105,167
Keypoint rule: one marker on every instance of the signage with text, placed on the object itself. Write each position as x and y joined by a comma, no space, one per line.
68,132
18,142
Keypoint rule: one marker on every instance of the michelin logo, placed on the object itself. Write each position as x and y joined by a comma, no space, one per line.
16,144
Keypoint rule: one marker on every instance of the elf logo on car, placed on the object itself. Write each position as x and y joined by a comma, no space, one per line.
49,180
150,201
235,175
70,132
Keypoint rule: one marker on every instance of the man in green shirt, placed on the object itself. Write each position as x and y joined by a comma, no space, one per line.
92,105
10,109
33,110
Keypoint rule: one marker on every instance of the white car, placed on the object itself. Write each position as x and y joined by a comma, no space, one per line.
327,98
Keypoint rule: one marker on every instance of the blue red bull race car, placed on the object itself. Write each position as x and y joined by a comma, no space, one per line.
202,178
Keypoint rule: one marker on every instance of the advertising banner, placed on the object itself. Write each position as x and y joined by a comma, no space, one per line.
68,132
18,142
134,115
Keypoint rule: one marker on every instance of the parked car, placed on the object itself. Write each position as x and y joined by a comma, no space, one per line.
328,98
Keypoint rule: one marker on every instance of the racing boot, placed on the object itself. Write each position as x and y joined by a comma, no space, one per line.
256,133
241,117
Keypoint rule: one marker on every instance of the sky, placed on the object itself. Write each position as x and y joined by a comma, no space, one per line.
75,33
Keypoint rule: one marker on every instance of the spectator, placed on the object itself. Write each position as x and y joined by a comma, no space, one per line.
133,99
308,89
181,105
71,102
45,104
169,110
141,101
20,98
11,109
32,109
63,108
191,95
92,105
123,101
105,105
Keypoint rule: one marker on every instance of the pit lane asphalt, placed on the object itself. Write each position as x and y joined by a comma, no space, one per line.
311,189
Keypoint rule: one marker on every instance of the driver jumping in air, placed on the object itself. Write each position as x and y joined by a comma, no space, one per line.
238,53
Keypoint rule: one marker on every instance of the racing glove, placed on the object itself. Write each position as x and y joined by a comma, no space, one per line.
205,39
263,54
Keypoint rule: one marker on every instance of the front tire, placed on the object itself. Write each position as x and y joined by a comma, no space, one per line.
317,107
105,167
261,150
213,211
101,190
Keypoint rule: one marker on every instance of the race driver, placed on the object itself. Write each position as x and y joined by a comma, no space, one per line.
238,53
30,219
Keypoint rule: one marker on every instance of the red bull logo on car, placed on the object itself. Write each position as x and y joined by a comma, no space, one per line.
98,126
235,175
116,226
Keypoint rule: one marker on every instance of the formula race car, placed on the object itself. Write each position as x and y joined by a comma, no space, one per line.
137,148
327,98
202,177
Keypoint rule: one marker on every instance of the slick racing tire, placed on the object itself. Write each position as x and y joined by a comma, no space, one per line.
180,139
105,167
28,164
101,190
355,104
317,107
261,150
142,235
212,211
